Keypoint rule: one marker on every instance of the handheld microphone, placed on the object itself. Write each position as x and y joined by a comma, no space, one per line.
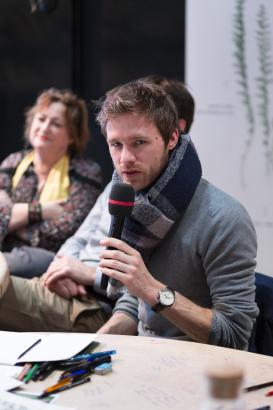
120,205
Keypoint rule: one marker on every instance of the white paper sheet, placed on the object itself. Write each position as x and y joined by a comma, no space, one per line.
8,376
12,344
53,346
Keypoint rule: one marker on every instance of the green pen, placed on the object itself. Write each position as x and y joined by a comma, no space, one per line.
31,372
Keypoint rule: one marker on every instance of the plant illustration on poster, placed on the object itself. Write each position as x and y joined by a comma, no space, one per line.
263,80
229,70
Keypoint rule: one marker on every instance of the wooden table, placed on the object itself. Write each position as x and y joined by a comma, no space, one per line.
153,374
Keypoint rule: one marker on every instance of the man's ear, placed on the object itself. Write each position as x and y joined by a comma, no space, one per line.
182,124
173,140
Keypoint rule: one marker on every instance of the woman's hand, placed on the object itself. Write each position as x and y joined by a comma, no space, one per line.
52,210
20,214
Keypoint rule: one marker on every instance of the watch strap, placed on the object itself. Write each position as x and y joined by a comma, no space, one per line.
158,307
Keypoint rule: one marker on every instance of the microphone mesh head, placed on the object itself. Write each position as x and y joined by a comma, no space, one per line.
121,200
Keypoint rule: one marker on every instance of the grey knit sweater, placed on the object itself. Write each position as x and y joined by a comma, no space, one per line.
208,257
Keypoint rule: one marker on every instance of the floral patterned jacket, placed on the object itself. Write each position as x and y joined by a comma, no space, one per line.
85,186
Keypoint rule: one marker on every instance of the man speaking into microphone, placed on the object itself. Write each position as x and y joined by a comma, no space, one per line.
188,249
187,252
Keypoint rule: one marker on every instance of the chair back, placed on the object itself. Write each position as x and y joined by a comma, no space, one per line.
261,340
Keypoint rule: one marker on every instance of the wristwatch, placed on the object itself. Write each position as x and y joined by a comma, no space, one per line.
165,299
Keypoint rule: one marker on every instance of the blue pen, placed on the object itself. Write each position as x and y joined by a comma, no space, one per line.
76,373
91,356
87,366
83,358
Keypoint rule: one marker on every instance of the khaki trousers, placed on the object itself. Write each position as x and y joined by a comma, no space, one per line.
26,305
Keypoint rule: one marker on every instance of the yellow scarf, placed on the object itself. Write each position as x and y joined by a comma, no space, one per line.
57,183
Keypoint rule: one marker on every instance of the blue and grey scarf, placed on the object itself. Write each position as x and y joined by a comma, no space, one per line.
156,210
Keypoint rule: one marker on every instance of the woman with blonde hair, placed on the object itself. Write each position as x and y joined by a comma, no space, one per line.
47,190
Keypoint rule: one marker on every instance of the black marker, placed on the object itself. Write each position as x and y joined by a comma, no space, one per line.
258,386
29,348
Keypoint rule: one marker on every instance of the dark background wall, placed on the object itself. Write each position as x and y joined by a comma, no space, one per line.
89,46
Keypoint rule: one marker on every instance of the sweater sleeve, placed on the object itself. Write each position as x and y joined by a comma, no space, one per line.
85,243
229,252
127,304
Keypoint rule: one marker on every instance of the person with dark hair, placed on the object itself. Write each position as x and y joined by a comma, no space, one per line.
47,189
182,98
187,252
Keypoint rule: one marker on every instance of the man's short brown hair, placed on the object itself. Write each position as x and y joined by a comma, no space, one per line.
140,98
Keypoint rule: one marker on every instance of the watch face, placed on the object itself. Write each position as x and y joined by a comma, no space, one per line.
166,297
